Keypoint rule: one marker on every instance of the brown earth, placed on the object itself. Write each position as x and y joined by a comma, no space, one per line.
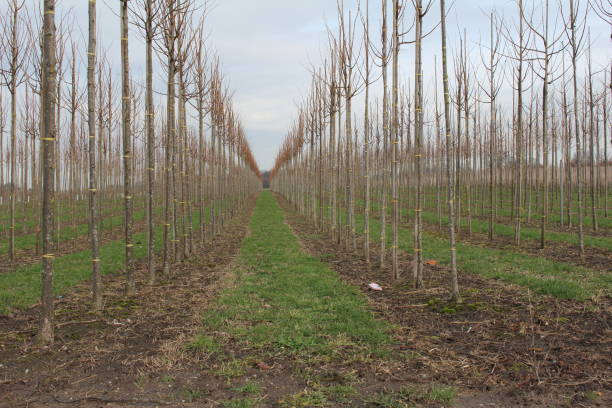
503,347
133,353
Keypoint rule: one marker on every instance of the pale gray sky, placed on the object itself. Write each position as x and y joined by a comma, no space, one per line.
266,47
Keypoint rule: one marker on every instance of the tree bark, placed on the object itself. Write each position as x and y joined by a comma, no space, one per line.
96,279
49,102
130,287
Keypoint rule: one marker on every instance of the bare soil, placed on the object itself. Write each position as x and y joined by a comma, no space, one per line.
502,346
131,355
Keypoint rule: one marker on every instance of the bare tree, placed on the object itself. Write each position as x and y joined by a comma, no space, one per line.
130,286
520,55
96,278
366,133
14,46
49,101
450,189
492,92
549,48
146,17
420,13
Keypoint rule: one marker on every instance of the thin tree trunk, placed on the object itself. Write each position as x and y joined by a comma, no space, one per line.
455,296
127,152
49,101
150,143
418,141
96,279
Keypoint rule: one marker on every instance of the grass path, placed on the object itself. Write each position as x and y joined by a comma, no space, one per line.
287,298
289,309
527,233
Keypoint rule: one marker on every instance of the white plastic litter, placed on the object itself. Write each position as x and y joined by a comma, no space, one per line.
375,286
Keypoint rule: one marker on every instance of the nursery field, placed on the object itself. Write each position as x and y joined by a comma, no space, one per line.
272,313
305,204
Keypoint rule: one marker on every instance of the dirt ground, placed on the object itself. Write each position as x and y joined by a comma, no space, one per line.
502,347
126,356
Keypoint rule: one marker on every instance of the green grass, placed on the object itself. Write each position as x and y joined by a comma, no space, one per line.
231,369
22,287
239,403
67,233
544,276
203,343
304,399
249,388
290,301
527,233
30,216
409,395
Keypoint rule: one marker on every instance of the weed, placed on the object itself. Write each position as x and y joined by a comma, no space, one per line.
166,379
239,403
248,388
304,399
191,395
339,392
410,395
203,343
231,369
445,395
592,395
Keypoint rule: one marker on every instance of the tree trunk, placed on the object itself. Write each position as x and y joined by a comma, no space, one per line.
96,279
127,152
49,102
450,183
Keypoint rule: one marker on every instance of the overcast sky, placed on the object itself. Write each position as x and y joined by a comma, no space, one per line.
267,46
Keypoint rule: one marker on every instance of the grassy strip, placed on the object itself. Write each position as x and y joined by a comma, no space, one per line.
504,214
527,233
30,217
22,287
539,274
67,233
506,210
289,300
553,216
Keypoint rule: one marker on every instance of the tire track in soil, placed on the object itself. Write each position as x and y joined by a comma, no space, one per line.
122,357
506,349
